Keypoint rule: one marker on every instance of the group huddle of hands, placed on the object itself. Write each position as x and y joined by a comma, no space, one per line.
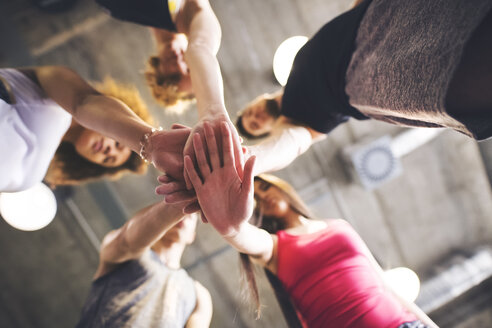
205,170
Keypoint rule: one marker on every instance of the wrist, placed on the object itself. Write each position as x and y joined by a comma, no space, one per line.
146,146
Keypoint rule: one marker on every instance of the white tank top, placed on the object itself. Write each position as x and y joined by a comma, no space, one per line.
30,130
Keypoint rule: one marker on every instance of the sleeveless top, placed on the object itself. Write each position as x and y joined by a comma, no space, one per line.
406,53
315,91
31,129
140,293
332,282
155,13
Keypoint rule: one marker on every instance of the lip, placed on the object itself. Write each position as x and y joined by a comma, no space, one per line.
97,146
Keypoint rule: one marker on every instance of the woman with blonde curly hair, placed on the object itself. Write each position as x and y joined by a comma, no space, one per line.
54,123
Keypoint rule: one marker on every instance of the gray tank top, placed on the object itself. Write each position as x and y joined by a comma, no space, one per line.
140,293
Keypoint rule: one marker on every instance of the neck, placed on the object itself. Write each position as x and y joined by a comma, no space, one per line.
170,253
73,132
294,219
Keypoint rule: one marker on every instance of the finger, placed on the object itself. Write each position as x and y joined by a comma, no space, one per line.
238,153
176,126
192,208
227,145
165,178
203,217
213,151
181,196
170,187
187,180
201,158
248,180
192,174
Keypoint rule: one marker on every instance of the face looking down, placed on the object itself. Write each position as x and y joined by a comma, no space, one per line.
272,201
259,116
101,150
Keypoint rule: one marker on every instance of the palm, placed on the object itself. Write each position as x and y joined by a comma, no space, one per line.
215,124
225,198
224,201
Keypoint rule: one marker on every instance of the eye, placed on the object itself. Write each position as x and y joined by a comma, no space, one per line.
264,186
106,160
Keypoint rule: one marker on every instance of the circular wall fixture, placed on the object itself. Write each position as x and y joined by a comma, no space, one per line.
29,210
284,57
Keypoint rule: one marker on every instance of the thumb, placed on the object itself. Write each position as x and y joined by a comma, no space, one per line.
176,126
248,178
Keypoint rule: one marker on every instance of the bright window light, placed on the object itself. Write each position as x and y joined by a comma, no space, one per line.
29,210
284,57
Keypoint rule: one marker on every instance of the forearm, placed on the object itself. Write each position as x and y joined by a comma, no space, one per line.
253,241
112,118
149,225
139,233
201,56
280,149
90,108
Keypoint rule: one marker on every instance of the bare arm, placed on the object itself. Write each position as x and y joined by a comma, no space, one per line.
137,235
285,144
90,108
198,21
202,314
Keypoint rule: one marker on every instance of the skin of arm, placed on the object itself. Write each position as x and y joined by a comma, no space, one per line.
284,145
202,314
199,23
411,307
137,235
90,108
111,117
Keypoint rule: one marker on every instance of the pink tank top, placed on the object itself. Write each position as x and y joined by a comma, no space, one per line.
332,282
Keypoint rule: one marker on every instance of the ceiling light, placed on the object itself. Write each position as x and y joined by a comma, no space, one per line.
29,210
284,57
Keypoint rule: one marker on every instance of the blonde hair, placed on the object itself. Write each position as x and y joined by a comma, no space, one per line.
69,168
164,88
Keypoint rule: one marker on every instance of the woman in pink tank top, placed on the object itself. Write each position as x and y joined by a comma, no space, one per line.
324,267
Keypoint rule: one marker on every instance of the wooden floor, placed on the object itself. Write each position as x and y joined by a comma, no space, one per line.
440,204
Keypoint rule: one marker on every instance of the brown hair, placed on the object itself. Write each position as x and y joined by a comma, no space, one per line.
69,168
164,88
272,225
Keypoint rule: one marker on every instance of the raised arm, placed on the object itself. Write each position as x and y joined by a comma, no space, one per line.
282,147
137,235
90,108
111,117
198,21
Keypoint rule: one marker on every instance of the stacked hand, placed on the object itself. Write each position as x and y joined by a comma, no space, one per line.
215,123
167,150
225,194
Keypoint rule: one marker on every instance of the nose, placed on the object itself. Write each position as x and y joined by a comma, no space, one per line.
109,146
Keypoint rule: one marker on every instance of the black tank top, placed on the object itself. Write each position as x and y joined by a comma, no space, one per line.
315,91
153,13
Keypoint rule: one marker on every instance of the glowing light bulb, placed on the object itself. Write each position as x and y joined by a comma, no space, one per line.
29,210
284,57
404,282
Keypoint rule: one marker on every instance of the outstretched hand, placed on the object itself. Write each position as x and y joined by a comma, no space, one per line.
167,150
214,123
224,194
